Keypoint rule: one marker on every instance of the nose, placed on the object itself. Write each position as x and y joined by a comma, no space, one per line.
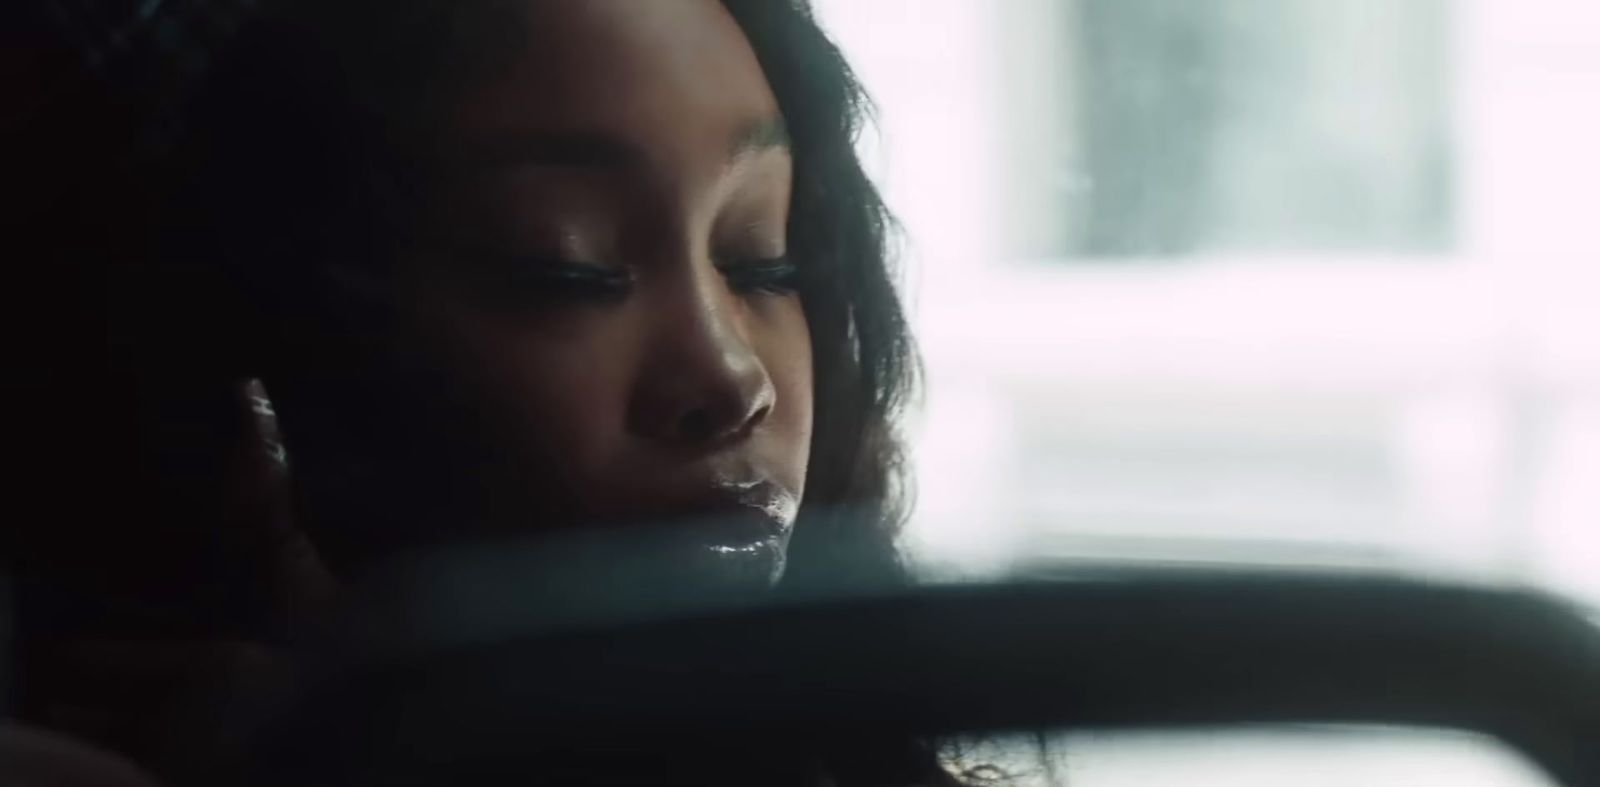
703,383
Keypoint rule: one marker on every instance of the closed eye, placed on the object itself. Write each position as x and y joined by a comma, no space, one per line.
568,281
761,275
519,277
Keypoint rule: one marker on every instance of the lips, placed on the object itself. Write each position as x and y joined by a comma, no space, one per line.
739,516
710,531
733,531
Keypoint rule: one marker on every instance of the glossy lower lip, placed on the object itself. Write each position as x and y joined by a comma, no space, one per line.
737,535
745,515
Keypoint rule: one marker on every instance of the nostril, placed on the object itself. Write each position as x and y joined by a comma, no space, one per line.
703,425
758,416
695,425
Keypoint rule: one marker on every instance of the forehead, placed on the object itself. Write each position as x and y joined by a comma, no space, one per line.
670,76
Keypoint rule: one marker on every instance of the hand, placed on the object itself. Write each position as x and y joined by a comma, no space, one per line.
141,688
169,705
35,758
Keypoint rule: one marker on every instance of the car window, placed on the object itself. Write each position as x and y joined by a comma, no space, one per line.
1296,283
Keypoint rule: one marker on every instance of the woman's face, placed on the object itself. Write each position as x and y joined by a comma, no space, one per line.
599,318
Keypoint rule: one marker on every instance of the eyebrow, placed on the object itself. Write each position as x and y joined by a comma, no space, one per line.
760,136
594,150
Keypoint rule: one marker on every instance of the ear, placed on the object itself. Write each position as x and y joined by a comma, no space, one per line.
261,516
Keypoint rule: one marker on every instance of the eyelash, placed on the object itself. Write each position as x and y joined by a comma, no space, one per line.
762,275
776,276
574,280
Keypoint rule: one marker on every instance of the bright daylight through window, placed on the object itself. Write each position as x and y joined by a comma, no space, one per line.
1283,281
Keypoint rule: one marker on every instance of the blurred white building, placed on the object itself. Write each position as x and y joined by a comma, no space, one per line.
1289,281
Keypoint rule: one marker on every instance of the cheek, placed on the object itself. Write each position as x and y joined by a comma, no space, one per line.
551,402
784,344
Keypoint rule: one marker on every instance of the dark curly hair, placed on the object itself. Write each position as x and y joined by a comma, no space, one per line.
865,362
394,64
292,152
